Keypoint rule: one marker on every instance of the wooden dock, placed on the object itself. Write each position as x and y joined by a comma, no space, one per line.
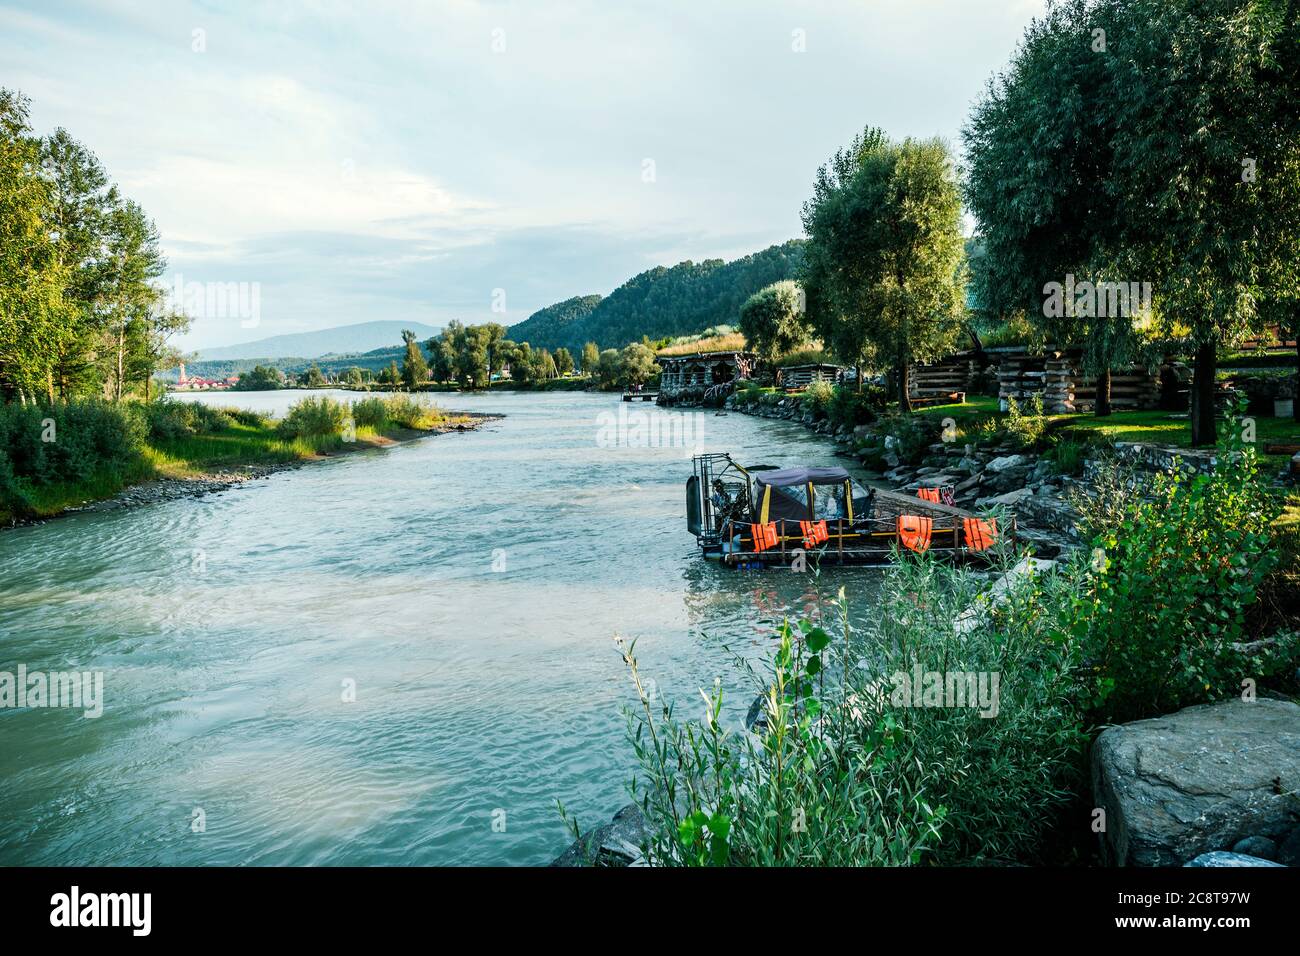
640,396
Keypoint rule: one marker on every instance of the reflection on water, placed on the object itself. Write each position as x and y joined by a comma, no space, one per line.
467,586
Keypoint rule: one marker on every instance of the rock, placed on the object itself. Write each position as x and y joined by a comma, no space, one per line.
1288,853
861,431
967,484
1005,462
1049,513
1009,479
1201,779
617,843
756,719
1257,846
1006,500
1220,858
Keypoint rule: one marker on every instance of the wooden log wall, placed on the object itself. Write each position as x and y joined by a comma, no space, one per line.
1064,388
953,374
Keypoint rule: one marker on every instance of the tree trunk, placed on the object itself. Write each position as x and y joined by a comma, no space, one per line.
904,385
1102,407
860,377
1203,410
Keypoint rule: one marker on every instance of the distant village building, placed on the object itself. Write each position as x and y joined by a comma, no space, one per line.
186,383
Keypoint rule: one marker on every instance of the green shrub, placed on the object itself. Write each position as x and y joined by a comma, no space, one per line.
912,434
398,410
852,408
179,419
1025,430
817,398
845,771
313,416
1177,563
1069,454
246,416
43,444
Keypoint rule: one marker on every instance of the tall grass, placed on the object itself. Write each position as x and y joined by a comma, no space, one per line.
843,769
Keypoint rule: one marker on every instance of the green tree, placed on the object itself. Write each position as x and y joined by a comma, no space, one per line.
1202,114
590,359
773,320
354,377
31,277
609,368
134,261
563,361
884,265
415,370
81,201
636,364
1037,185
313,378
262,378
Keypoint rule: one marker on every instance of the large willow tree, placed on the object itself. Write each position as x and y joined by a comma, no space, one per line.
1155,140
883,269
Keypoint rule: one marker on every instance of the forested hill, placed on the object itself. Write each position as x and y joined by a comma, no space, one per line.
549,327
680,300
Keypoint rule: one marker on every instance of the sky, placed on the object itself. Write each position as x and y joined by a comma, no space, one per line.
450,159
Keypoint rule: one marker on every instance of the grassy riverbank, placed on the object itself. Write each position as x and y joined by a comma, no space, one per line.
71,454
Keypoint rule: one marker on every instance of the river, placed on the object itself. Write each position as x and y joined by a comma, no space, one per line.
399,656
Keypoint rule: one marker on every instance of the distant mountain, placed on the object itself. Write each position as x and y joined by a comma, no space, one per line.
682,300
340,340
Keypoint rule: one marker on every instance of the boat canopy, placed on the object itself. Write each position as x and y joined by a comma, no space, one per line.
788,494
790,477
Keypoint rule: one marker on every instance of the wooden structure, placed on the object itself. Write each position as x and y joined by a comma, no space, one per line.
795,378
1055,375
640,396
688,377
943,379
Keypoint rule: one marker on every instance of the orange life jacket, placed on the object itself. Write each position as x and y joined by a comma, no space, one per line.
814,533
928,494
764,536
979,533
914,531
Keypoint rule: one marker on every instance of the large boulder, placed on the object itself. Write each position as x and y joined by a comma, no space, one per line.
1198,780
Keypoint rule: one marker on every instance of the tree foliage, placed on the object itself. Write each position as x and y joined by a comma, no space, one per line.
884,266
773,320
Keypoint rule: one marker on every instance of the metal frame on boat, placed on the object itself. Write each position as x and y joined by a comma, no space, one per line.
764,515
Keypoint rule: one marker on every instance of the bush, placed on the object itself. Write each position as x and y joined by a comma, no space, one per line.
912,434
1177,563
312,417
66,442
172,419
817,398
853,408
1069,454
394,411
846,770
1025,430
246,416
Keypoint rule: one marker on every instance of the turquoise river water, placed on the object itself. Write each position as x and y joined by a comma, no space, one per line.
394,657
